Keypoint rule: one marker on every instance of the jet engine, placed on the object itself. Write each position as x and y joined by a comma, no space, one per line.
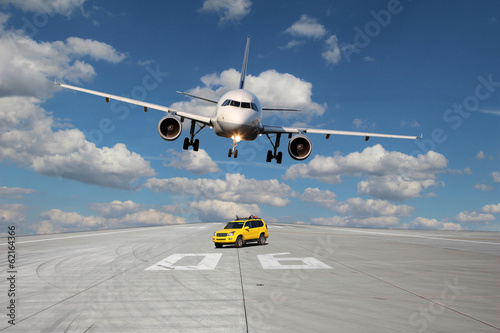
299,147
169,128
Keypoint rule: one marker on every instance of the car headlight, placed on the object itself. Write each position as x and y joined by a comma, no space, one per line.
215,233
231,233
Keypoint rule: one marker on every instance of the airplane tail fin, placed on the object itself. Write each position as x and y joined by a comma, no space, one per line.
244,68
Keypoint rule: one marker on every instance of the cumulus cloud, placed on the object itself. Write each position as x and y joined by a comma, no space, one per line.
496,176
432,224
28,67
228,10
234,188
492,209
273,89
483,187
307,27
113,215
324,198
359,207
11,213
356,211
332,53
473,217
50,7
16,192
27,138
218,210
196,162
349,221
390,175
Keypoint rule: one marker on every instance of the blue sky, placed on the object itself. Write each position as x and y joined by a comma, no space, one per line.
70,162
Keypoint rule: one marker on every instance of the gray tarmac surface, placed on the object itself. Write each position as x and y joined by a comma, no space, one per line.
305,279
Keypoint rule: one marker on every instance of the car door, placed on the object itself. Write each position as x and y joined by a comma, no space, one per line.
251,233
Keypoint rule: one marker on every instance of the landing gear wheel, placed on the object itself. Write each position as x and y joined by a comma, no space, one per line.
279,157
230,153
239,242
236,153
196,145
186,144
262,239
269,156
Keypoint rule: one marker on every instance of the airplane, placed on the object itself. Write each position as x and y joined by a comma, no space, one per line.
238,116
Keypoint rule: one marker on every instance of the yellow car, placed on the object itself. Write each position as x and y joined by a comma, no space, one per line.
241,231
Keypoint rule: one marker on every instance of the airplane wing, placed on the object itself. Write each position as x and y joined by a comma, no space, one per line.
198,118
279,129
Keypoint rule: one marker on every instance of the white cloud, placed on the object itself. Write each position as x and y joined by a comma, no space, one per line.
432,224
234,188
390,175
228,10
473,217
116,208
332,54
349,221
307,27
493,209
496,176
362,123
217,210
16,192
11,213
480,155
367,58
324,198
272,88
483,187
114,215
50,7
28,67
357,211
364,208
28,139
197,162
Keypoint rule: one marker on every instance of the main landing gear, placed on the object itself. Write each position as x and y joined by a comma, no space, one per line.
274,154
188,142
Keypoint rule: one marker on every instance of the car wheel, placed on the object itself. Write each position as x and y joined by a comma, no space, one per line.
218,245
239,242
262,239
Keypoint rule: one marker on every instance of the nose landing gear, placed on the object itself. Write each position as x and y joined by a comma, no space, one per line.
233,151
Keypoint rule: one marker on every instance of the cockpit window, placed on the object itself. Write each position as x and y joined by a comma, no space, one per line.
245,105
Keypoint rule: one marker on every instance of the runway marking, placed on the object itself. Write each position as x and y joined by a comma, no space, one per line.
269,261
419,236
90,235
209,262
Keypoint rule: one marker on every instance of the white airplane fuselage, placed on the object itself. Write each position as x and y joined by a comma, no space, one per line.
238,116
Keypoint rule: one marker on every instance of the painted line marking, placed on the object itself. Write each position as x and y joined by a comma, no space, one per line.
416,236
87,235
269,261
209,262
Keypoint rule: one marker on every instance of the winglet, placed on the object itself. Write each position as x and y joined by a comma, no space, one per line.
244,68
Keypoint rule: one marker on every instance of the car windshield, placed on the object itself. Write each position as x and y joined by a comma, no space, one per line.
234,225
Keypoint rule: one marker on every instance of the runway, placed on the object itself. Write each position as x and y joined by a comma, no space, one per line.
305,279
